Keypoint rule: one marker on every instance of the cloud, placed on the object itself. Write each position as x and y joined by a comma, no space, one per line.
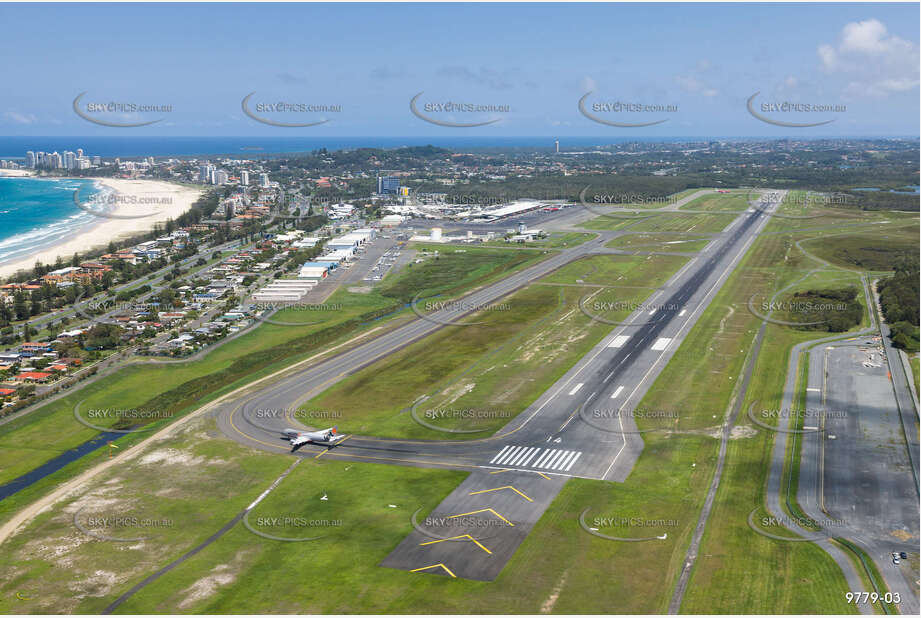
589,84
386,73
483,77
695,81
19,118
291,78
695,86
874,62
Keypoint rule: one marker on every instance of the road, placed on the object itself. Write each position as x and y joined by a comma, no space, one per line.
855,472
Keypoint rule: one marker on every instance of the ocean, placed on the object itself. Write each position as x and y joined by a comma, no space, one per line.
37,213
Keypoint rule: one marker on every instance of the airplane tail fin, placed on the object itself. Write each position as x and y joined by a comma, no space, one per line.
335,429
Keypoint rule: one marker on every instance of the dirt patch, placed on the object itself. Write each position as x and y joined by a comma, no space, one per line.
174,456
723,321
547,607
99,584
457,391
360,289
221,575
742,431
902,535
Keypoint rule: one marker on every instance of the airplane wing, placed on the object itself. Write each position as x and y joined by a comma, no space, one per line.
297,441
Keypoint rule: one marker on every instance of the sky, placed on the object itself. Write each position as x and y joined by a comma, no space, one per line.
695,65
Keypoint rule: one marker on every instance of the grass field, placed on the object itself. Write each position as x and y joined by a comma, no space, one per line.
875,251
610,222
659,242
684,223
915,368
735,200
499,363
174,389
555,240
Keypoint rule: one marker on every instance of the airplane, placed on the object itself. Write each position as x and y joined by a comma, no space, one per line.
327,437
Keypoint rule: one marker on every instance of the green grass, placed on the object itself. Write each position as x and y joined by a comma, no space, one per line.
684,223
499,363
555,240
609,223
915,369
84,575
734,201
876,251
175,389
738,570
659,242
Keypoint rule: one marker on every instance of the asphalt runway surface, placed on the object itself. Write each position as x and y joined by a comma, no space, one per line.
856,472
583,426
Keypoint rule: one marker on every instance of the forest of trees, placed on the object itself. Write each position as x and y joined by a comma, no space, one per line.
899,298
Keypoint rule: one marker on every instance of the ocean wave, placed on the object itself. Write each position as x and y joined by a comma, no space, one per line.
43,237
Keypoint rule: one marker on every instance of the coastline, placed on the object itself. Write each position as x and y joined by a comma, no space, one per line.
144,203
16,173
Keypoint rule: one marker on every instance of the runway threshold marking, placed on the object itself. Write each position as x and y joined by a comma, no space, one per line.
618,341
661,343
483,511
485,491
432,566
454,538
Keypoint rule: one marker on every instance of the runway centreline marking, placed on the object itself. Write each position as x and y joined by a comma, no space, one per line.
710,291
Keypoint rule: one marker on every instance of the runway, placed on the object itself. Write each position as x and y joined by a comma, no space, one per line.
583,426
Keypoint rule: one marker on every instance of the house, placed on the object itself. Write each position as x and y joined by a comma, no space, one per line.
33,376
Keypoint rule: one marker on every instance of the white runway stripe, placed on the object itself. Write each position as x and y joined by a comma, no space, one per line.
617,392
618,341
579,454
529,457
540,460
564,460
576,389
499,454
521,457
509,455
549,463
535,457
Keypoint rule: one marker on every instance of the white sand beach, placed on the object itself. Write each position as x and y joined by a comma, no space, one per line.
17,173
148,201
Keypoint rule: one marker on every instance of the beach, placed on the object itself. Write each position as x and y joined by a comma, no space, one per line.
145,202
17,173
